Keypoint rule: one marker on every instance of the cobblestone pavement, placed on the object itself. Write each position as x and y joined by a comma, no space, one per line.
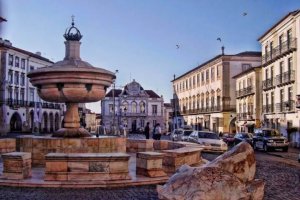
281,173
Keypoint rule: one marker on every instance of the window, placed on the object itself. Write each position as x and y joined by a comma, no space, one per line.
154,109
22,79
22,63
133,107
245,66
207,76
280,42
281,99
194,81
219,71
186,84
17,61
22,94
16,78
212,73
142,123
267,102
31,94
31,68
202,77
271,49
154,123
289,37
290,95
16,94
10,76
290,64
266,74
272,72
249,82
272,101
10,60
198,79
10,92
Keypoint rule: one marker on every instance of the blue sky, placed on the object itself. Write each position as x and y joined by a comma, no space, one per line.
139,37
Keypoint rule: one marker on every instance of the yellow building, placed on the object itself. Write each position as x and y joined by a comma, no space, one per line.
205,95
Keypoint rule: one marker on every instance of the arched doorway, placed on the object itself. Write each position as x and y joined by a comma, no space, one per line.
133,126
51,118
56,122
45,122
16,123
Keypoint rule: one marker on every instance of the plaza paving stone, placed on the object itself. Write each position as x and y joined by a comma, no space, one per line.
281,173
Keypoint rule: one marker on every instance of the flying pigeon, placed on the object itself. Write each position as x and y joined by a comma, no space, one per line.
219,39
244,14
177,46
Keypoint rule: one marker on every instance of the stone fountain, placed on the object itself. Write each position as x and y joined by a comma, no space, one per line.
71,81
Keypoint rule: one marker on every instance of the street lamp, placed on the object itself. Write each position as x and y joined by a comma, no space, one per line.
114,102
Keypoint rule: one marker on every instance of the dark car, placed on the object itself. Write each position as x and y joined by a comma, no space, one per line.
228,138
268,139
241,137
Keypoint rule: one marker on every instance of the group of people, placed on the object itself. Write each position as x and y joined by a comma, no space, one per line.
156,133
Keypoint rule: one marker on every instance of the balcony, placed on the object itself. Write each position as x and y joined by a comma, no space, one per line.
269,108
244,92
268,84
207,110
14,104
285,78
279,51
287,106
245,116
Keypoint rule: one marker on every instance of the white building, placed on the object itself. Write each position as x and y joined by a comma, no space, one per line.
132,108
248,99
205,95
281,75
19,98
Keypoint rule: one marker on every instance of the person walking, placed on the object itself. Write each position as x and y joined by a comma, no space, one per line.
147,130
157,132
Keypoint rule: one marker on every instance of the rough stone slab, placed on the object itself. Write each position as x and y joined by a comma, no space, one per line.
16,155
150,155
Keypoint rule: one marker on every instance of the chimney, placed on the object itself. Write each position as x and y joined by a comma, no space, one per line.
223,48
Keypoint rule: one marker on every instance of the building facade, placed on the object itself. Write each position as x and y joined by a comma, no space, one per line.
281,75
168,116
248,99
21,108
205,95
132,108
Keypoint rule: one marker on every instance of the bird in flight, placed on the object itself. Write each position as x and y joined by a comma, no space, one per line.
177,46
244,14
219,39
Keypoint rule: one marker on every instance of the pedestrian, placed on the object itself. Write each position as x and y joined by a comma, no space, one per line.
147,130
157,132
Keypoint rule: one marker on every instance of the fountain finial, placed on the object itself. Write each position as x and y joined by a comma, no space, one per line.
72,33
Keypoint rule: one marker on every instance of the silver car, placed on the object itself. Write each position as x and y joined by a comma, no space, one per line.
210,141
180,134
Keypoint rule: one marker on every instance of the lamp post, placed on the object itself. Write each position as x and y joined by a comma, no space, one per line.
114,102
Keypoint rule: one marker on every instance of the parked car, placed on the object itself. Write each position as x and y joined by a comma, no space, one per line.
180,134
242,136
210,140
268,139
228,138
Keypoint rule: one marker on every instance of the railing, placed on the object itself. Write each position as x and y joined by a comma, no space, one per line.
279,51
268,108
207,110
286,106
268,84
21,103
285,78
244,92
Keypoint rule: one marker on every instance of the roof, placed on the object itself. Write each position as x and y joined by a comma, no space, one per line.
246,71
7,44
293,13
110,93
244,53
151,93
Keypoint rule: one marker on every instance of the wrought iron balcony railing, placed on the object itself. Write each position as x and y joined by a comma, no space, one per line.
285,78
279,51
14,103
268,84
286,106
244,92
